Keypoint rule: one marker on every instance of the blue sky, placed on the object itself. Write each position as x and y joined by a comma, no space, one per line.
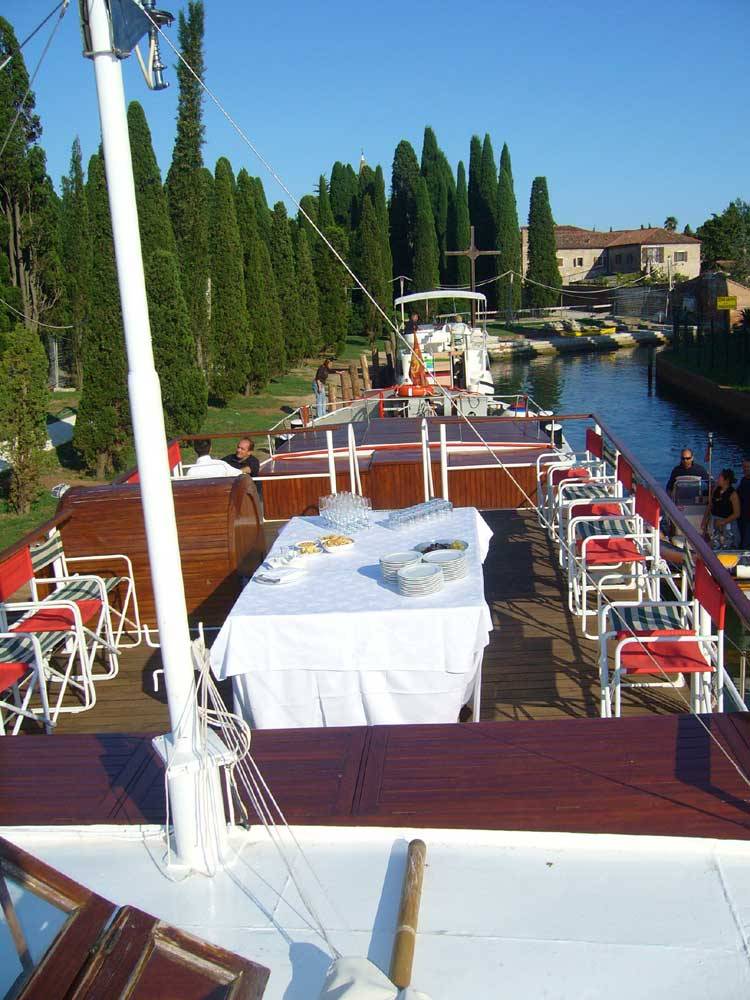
633,110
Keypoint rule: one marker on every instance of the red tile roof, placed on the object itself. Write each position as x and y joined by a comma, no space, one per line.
576,238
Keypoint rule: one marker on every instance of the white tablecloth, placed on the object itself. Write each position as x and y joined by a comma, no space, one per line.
340,647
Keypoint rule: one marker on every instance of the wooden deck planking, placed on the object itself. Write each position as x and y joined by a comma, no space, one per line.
537,665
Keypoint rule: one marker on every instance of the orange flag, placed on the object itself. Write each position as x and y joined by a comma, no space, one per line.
417,372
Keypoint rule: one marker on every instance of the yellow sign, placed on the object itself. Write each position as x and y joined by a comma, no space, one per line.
726,302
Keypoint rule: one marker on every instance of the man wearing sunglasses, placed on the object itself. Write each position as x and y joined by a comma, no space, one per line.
687,467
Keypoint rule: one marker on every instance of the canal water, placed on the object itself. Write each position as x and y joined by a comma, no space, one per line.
649,421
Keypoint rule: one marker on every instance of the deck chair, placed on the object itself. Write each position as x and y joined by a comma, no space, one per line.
661,653
616,500
22,674
584,477
604,545
48,557
81,624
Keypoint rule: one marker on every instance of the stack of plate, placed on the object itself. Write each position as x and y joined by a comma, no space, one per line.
391,564
452,562
420,579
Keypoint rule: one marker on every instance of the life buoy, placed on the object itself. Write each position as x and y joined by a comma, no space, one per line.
407,389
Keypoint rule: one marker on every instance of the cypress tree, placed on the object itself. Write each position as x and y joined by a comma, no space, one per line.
23,410
461,235
508,238
475,172
343,190
333,283
542,251
381,213
230,342
308,296
154,223
262,212
325,212
439,178
426,257
183,387
75,248
487,230
189,193
285,272
267,356
403,208
309,203
368,263
103,423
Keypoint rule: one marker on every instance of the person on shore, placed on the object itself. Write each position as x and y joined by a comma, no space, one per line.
243,459
412,325
319,387
207,467
721,520
687,467
743,490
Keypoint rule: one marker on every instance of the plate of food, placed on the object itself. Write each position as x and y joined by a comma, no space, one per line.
308,548
335,543
458,544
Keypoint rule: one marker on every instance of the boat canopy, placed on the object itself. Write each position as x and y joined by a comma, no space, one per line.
440,293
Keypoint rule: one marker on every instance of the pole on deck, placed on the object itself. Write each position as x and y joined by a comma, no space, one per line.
195,845
402,957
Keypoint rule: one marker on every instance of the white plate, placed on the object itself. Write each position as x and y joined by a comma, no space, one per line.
395,560
440,556
278,577
421,573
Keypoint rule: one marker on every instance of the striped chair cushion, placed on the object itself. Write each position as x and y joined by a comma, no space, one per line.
582,492
608,526
20,651
646,618
44,553
82,590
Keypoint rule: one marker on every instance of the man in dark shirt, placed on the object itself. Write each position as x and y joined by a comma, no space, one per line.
743,488
319,387
243,458
412,325
687,467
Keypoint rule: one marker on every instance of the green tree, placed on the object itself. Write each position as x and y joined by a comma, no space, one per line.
508,238
75,240
475,182
23,410
687,231
726,237
285,272
381,212
308,296
460,235
439,178
325,212
403,208
309,203
487,228
102,428
333,283
542,269
183,387
28,203
426,256
154,223
670,223
189,187
230,342
262,212
367,253
267,356
343,192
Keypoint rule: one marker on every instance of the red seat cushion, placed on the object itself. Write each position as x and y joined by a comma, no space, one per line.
558,475
10,674
611,551
57,619
672,658
626,633
598,509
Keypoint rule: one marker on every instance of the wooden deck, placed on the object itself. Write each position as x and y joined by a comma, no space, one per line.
537,665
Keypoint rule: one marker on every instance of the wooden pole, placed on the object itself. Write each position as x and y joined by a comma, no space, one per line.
346,385
402,957
333,393
365,371
354,376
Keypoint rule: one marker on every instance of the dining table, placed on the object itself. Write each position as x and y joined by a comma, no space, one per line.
339,646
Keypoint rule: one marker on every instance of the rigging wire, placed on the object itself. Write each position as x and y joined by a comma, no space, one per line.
48,326
268,166
38,66
11,55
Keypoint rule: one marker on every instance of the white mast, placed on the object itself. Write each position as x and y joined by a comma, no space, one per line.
187,788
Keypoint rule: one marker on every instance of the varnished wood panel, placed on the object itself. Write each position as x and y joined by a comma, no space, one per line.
219,527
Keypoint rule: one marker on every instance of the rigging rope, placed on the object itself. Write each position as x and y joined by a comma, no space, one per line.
48,326
399,336
11,55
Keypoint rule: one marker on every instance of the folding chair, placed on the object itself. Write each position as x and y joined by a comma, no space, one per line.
601,545
22,662
617,500
48,556
554,467
74,630
662,650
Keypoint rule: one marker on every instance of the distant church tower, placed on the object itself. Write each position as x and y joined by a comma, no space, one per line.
362,161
